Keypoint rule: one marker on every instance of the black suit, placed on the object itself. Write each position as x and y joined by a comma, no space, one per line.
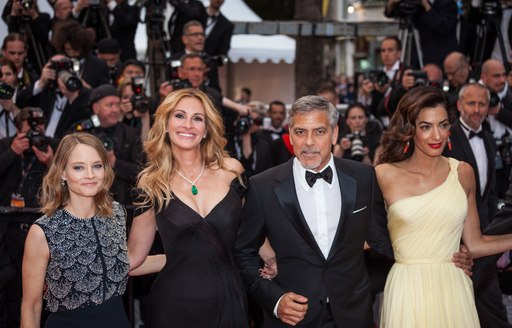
491,311
217,43
124,27
72,112
184,11
272,210
94,71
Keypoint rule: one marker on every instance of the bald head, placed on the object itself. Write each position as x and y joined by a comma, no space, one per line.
434,72
493,75
456,68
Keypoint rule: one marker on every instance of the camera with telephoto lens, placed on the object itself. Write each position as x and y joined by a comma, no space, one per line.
6,91
243,124
27,4
494,100
420,78
378,77
36,138
65,69
357,145
139,100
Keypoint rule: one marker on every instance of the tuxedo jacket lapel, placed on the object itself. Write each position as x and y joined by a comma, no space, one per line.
348,188
466,150
285,193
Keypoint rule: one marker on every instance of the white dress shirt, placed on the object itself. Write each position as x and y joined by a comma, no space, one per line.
480,153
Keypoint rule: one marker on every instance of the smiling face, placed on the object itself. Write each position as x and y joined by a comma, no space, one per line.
187,124
432,131
312,138
84,172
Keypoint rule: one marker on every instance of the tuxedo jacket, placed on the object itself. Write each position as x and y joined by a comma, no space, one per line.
218,41
124,27
461,150
272,210
505,114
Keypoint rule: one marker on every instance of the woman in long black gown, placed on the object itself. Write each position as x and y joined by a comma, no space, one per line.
192,191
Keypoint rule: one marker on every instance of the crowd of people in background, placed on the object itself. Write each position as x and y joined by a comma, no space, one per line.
74,107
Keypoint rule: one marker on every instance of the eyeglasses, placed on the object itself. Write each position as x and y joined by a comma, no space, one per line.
194,69
195,35
447,73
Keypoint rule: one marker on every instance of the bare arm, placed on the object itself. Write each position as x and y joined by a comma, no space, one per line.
141,238
152,264
239,108
479,245
35,262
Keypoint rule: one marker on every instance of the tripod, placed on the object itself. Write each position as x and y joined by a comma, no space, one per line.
158,49
30,40
490,18
407,35
95,19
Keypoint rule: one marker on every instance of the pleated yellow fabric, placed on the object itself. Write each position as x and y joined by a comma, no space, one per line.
424,287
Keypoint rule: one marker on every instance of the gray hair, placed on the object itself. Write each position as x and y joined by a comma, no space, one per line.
307,104
464,88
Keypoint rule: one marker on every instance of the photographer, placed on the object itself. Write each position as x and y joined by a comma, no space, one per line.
194,40
184,11
62,108
8,109
430,74
15,50
76,43
35,26
499,120
123,144
109,51
135,109
22,163
360,137
436,22
458,72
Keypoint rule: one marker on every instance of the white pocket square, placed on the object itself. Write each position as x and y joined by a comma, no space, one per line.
359,210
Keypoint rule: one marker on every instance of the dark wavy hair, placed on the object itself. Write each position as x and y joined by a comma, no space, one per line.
402,126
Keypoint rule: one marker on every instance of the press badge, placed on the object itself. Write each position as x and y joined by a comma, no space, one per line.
17,200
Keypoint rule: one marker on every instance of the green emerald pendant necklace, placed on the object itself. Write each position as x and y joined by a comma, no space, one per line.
195,191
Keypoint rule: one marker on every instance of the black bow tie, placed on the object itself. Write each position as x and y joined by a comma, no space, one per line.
325,174
476,134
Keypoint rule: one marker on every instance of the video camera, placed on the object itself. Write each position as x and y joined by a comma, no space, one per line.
36,118
408,7
139,100
217,60
65,69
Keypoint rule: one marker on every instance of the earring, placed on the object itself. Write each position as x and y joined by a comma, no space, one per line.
449,144
406,147
63,182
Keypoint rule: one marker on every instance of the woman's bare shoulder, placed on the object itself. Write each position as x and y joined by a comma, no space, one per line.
233,165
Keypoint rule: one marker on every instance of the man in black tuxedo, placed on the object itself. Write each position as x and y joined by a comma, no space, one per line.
472,144
317,228
61,106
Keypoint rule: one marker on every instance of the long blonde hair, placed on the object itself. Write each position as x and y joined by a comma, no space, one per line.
54,195
160,166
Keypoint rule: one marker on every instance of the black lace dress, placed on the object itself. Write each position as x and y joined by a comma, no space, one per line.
199,285
88,270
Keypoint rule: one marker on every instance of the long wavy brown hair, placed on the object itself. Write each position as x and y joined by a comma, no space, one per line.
53,195
155,177
402,126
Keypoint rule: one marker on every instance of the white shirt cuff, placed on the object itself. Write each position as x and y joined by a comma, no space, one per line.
277,305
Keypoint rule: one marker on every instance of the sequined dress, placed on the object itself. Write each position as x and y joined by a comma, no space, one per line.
199,286
88,269
424,288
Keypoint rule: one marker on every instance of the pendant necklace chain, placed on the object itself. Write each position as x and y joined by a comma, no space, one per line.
195,191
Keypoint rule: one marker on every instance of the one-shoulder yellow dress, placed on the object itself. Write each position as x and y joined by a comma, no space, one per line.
424,287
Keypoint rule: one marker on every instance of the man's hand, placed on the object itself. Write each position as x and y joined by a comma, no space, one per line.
20,144
269,270
292,308
47,74
164,90
408,80
463,260
44,157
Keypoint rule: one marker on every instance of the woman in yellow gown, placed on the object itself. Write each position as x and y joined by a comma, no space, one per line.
431,206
